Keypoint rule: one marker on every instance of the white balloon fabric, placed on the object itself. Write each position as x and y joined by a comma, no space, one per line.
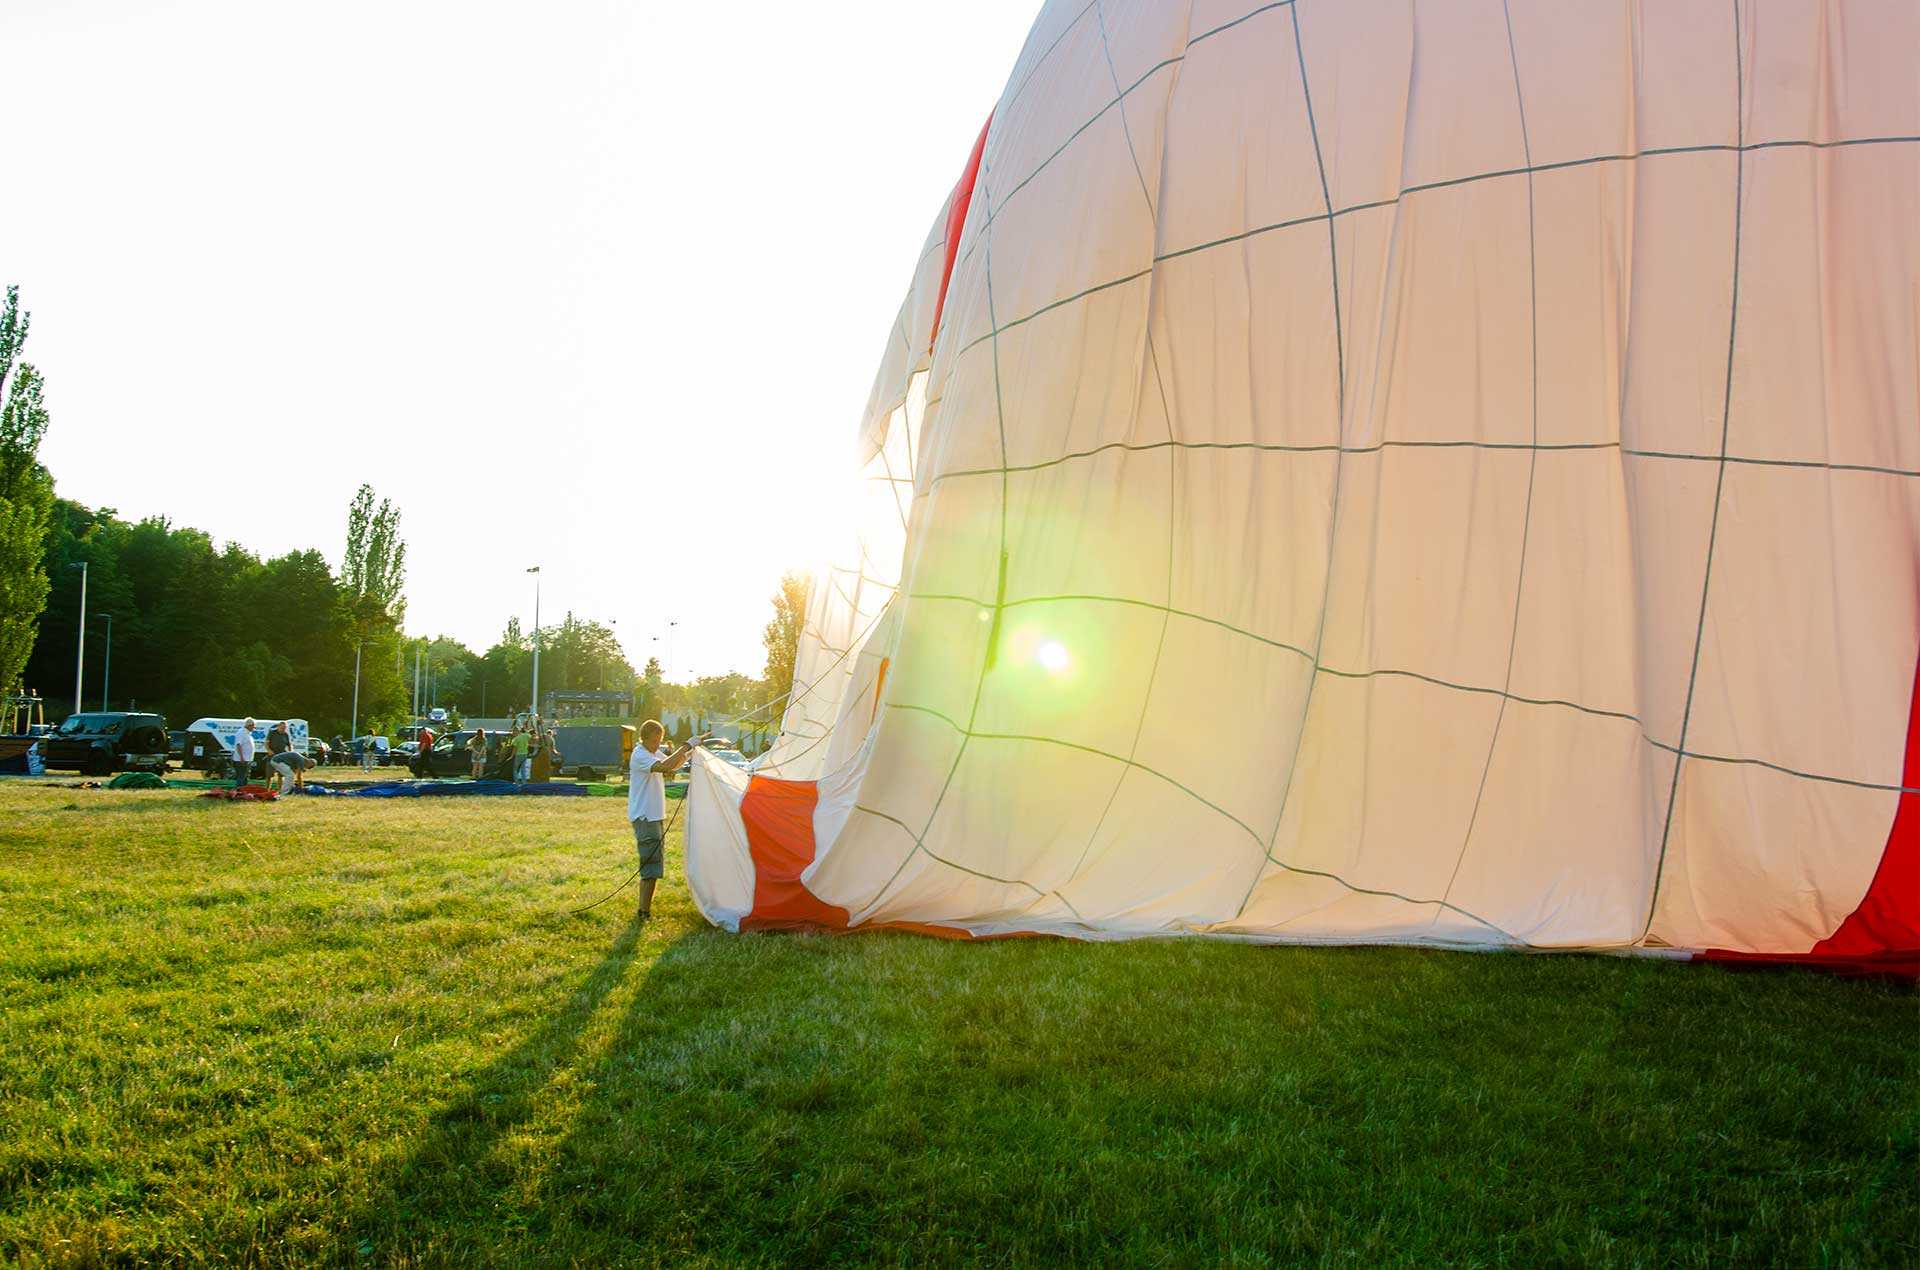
1371,471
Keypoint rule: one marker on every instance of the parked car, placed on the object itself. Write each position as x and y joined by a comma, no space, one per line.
730,755
450,756
105,742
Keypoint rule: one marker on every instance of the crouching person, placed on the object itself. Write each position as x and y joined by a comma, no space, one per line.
282,759
647,805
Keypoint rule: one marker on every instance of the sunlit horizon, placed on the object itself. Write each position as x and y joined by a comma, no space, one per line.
602,293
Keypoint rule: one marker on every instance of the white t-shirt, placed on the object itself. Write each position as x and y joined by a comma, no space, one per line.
243,746
646,789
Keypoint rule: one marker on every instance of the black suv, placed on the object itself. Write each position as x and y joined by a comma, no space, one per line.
107,742
450,755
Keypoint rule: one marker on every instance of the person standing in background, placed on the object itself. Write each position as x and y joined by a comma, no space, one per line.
477,752
243,754
522,763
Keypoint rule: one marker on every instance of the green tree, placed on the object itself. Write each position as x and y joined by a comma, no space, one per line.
506,671
373,576
582,654
782,635
716,697
446,674
646,702
374,571
205,630
26,495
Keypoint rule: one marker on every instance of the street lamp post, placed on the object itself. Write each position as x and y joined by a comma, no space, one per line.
611,623
670,626
106,671
80,651
353,729
534,709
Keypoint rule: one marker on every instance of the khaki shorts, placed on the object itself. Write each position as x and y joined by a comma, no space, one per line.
651,843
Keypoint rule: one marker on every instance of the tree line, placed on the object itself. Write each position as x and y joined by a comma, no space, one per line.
205,630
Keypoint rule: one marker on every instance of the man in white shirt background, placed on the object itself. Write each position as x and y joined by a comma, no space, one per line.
243,754
647,804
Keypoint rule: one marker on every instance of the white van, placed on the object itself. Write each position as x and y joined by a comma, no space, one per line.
225,730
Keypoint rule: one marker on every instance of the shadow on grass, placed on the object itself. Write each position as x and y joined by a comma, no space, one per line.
805,1098
451,1185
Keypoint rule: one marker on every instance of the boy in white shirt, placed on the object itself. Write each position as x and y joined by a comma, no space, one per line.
647,805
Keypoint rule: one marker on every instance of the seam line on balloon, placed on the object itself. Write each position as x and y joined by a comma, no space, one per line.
1651,152
987,657
1339,476
795,698
1040,61
934,855
1533,458
1465,444
1166,414
1452,685
994,212
1204,801
1720,471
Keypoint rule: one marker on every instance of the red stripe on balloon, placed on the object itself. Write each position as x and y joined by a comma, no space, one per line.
957,207
1882,935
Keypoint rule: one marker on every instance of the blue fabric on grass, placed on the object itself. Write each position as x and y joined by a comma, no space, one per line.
444,789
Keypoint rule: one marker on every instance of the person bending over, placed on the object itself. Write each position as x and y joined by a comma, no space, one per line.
647,805
282,758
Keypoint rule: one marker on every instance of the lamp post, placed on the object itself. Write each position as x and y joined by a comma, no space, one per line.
670,626
534,709
353,729
106,671
611,623
80,651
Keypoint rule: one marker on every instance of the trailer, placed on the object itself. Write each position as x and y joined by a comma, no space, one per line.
218,755
589,751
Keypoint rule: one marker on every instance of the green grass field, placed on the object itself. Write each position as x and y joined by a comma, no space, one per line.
367,1032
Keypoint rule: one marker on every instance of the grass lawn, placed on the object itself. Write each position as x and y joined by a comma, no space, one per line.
364,1031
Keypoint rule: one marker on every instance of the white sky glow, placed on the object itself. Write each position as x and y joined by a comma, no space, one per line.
591,285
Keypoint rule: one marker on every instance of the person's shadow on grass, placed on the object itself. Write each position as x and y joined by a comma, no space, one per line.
451,1181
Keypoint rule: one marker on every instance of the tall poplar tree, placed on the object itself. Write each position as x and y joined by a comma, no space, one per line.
26,494
782,635
372,577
